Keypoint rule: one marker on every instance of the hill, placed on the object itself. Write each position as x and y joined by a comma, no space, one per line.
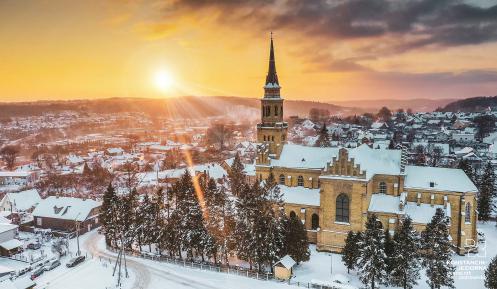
417,104
179,107
472,104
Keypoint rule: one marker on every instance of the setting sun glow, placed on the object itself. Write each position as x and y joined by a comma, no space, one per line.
163,80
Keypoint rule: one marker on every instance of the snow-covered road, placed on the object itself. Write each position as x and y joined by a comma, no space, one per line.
152,274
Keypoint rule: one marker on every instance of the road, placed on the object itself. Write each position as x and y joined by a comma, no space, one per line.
145,271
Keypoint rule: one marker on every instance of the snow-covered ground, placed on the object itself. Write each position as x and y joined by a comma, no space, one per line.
96,271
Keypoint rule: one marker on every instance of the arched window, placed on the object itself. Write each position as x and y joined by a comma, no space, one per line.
272,138
300,181
293,215
282,179
314,221
342,208
382,188
281,109
264,138
275,110
467,217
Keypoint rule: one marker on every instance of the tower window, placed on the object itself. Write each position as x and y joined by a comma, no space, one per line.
282,179
467,216
314,221
382,188
342,209
281,109
272,138
293,215
275,110
300,181
264,138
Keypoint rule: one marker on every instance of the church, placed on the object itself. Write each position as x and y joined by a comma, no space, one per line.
333,190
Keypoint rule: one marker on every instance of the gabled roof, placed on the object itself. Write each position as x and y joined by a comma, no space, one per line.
443,179
24,200
65,208
286,262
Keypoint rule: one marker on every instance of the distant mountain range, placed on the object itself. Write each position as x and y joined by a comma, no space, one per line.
472,104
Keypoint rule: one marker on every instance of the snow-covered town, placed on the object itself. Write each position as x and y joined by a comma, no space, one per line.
248,144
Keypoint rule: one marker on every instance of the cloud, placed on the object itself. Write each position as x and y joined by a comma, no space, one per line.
431,22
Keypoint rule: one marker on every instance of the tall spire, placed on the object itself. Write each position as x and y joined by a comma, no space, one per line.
272,77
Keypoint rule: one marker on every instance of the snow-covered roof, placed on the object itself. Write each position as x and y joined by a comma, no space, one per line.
11,244
298,156
421,214
15,174
442,179
287,262
24,200
4,227
373,161
65,208
300,195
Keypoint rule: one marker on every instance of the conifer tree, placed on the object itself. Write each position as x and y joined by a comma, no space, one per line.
273,219
236,176
371,263
406,261
107,215
141,221
491,274
486,193
437,247
246,206
350,253
296,241
389,251
323,138
468,169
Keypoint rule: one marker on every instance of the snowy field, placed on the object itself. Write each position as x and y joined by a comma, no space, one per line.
96,271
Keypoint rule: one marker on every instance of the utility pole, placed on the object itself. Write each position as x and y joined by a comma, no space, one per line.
78,253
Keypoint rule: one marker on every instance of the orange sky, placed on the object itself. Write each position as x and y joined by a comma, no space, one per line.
53,49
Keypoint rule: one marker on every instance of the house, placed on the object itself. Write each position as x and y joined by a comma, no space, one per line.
65,214
19,179
283,269
8,244
24,201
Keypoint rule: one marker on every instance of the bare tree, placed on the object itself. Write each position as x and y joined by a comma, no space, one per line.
9,155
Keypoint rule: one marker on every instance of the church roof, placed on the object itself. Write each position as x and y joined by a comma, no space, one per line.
438,179
373,161
272,77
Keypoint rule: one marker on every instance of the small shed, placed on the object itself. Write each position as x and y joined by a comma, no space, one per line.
10,248
283,269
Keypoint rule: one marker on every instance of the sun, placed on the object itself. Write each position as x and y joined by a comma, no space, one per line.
163,80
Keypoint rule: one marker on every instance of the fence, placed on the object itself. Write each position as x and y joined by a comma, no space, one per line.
235,270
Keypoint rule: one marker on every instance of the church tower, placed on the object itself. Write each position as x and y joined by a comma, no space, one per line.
272,130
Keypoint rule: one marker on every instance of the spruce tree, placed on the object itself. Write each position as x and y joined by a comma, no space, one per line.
236,176
491,274
406,261
468,169
296,241
371,263
486,193
108,216
389,251
247,211
437,252
350,253
323,138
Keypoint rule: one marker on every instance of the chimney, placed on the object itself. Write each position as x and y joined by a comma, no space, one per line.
445,201
432,200
419,199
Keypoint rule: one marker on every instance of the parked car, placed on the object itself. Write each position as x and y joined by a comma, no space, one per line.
37,273
34,246
53,264
75,261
